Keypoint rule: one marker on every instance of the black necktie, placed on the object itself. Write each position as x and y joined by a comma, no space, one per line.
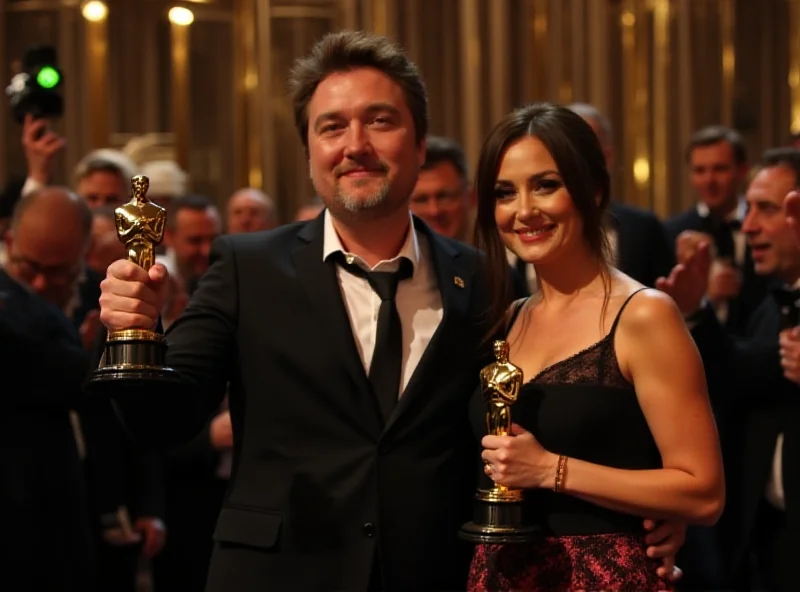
387,358
787,300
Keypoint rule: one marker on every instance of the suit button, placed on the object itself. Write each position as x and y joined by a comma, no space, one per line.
384,449
368,529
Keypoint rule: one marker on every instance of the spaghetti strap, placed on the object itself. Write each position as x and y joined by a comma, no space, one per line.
514,311
619,314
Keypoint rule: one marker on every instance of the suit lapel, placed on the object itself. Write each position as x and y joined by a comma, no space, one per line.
322,286
455,278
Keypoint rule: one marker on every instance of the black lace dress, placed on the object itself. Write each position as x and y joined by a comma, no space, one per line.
584,408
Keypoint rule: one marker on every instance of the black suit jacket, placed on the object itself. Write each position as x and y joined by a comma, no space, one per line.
751,398
319,485
754,287
46,539
643,249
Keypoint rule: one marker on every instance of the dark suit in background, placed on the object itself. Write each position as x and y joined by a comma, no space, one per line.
644,251
756,403
46,540
754,287
119,475
320,489
194,492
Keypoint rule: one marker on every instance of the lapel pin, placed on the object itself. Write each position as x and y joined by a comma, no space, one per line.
458,282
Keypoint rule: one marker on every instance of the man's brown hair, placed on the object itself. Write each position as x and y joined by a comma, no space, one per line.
348,50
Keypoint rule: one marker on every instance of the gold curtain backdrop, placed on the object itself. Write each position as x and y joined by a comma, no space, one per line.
213,93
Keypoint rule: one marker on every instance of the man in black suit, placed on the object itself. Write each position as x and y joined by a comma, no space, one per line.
639,243
46,540
756,386
354,462
718,169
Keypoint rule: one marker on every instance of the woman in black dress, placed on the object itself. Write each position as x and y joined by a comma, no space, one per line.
614,422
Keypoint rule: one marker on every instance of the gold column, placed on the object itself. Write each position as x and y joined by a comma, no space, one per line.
499,23
766,71
471,77
541,43
3,120
76,110
728,29
660,121
684,198
794,64
179,47
577,75
149,52
96,62
264,131
450,85
598,73
558,88
412,40
349,14
384,18
635,100
246,112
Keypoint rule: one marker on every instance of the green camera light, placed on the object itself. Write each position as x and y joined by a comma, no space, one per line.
48,77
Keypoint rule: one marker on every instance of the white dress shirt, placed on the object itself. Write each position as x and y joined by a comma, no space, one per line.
774,491
418,300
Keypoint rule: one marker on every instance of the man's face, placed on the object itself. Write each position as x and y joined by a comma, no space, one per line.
715,176
102,188
363,153
105,247
441,198
45,258
772,243
191,239
248,213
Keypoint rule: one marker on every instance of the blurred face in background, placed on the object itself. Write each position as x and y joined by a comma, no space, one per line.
772,244
102,188
105,247
190,238
249,210
716,177
443,200
46,253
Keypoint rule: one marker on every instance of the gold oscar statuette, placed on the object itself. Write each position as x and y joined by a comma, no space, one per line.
136,355
498,515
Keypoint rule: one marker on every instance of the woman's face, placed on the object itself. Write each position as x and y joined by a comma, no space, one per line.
535,215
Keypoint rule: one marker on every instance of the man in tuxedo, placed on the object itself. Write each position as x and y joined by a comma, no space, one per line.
756,385
43,508
718,168
193,222
351,344
639,243
443,197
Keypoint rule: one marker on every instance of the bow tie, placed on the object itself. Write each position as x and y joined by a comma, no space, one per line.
787,297
734,224
788,302
712,223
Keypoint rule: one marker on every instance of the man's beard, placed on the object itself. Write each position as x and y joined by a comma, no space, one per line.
359,204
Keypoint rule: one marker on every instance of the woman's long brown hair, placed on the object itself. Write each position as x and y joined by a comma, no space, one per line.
580,160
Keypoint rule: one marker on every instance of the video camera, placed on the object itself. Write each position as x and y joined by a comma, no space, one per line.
35,90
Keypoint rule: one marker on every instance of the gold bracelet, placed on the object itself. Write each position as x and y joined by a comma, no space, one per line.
560,473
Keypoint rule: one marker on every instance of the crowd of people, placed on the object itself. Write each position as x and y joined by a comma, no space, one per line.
327,430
